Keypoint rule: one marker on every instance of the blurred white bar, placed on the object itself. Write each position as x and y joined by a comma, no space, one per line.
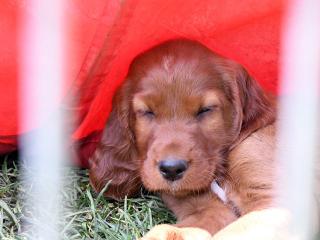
41,78
299,111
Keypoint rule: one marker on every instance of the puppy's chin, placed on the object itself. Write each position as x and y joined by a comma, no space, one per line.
179,188
185,192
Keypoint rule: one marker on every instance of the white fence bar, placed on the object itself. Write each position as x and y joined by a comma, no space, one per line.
299,111
41,79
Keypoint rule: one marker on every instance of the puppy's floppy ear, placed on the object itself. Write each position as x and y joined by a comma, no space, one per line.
253,109
114,158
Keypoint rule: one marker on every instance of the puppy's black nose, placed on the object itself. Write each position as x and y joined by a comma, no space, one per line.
172,169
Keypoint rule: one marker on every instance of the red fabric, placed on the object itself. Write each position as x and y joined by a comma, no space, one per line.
105,36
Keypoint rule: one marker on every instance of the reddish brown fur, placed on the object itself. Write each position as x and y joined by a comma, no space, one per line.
232,143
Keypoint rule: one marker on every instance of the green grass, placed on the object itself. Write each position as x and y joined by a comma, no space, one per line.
87,215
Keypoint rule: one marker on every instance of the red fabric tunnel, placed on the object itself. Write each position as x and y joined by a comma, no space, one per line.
106,35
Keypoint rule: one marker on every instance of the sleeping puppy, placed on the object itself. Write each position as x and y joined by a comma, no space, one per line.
195,128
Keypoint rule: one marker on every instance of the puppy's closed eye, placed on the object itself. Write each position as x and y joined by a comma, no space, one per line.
204,111
141,109
145,113
210,105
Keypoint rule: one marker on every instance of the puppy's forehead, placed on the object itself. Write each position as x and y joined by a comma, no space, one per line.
178,87
189,76
167,62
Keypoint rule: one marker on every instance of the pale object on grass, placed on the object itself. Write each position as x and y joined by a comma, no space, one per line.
169,232
268,224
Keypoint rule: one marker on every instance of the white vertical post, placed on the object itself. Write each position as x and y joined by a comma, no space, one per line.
299,111
41,79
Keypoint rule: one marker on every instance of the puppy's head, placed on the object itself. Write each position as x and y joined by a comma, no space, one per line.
180,110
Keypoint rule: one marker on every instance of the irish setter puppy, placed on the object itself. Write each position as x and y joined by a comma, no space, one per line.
195,128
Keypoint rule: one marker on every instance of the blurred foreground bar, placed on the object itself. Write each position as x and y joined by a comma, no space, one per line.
299,113
41,46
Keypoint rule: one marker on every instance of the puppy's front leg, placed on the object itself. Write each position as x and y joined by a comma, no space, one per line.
199,216
205,211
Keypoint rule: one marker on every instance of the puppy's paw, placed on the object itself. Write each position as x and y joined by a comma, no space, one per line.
169,232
